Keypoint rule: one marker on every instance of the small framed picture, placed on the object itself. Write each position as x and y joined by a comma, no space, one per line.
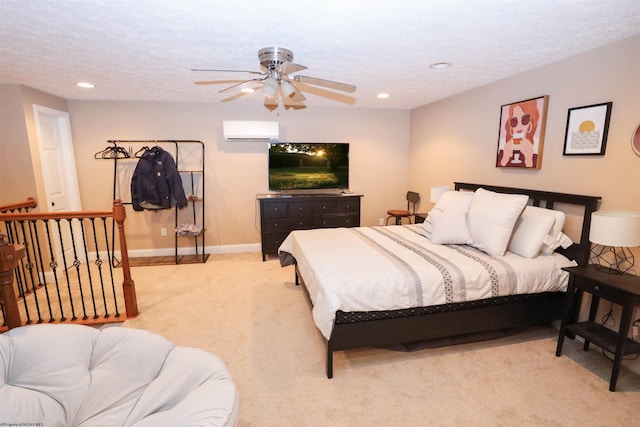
635,140
587,129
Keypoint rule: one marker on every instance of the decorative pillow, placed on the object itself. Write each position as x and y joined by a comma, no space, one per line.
530,231
450,201
449,228
491,219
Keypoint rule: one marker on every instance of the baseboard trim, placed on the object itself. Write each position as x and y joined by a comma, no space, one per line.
219,249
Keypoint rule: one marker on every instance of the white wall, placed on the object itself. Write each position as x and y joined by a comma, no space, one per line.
237,171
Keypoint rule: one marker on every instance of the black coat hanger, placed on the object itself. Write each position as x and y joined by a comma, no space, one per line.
112,152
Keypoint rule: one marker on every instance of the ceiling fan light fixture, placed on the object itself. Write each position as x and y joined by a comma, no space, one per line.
270,87
287,88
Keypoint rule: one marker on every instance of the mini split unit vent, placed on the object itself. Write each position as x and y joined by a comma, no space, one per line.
250,131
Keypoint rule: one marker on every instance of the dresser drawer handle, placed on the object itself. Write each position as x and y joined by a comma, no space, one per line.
596,288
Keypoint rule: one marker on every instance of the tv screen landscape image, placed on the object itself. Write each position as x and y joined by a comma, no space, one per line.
308,166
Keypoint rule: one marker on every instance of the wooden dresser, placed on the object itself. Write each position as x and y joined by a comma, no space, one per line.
281,214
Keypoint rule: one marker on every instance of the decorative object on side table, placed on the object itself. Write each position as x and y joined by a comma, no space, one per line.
587,130
437,192
613,233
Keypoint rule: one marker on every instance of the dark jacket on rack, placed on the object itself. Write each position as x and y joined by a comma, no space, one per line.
156,182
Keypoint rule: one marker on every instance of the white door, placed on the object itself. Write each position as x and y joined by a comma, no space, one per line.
58,170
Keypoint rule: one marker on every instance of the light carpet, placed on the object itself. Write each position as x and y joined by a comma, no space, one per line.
251,314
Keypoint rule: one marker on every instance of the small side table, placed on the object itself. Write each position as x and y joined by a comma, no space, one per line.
622,289
420,217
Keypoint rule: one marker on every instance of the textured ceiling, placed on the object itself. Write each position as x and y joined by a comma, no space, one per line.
143,50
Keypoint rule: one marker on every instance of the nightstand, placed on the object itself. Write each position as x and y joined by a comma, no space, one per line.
622,289
420,217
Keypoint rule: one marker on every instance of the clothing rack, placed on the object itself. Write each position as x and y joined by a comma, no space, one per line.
117,151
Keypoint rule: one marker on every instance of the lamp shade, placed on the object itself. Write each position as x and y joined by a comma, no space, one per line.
437,192
615,228
287,88
270,87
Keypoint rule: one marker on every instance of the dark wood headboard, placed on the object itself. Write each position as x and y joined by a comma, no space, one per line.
578,251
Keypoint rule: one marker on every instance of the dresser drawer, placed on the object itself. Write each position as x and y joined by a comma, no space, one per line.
323,207
274,210
300,209
274,225
351,205
332,221
603,291
272,241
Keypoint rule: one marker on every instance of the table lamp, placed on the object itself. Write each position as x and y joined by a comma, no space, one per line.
437,192
613,233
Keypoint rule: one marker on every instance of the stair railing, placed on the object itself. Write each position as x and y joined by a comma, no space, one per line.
62,269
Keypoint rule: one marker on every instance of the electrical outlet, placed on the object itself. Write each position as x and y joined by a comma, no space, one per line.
381,221
163,231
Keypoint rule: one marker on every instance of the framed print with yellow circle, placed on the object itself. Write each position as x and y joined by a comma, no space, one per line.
587,129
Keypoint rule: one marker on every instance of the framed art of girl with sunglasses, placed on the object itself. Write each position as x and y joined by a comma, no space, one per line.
521,136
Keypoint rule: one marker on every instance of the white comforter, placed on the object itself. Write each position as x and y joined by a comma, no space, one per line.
389,268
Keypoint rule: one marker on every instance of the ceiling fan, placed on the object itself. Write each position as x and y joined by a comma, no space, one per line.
276,82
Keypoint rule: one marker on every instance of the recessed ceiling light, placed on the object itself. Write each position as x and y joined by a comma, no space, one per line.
440,65
86,85
383,95
247,90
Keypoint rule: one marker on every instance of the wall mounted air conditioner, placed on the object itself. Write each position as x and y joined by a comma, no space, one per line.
241,130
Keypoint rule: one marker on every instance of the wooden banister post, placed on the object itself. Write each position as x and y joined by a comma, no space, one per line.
128,286
9,256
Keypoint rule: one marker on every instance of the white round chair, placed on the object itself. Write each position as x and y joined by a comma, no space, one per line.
72,375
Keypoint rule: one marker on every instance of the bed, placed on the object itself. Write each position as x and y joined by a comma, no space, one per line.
389,286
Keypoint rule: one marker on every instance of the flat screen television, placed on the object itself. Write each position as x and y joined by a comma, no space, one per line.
313,167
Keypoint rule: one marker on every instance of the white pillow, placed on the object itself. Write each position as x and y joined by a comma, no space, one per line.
491,219
450,201
449,228
530,231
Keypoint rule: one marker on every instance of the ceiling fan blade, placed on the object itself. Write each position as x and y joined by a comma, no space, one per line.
290,103
335,96
290,67
326,83
298,96
227,71
217,82
242,85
